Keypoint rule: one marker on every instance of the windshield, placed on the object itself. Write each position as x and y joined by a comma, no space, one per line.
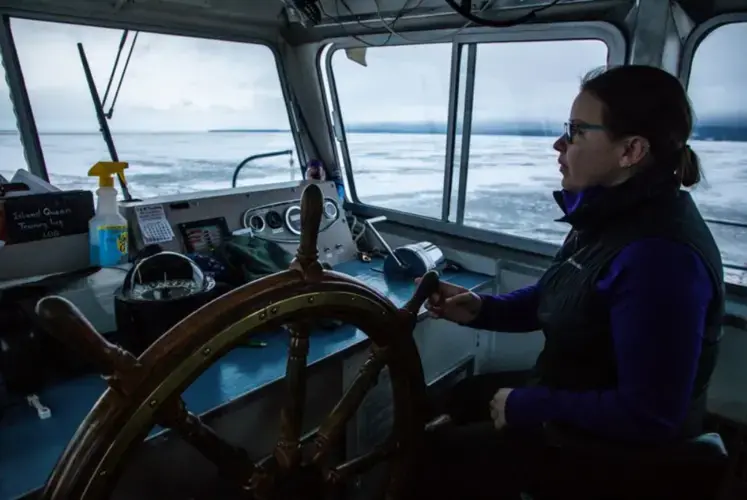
189,110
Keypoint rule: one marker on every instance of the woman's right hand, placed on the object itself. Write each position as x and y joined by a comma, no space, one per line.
454,303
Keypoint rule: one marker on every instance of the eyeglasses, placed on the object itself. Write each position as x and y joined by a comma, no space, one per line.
570,130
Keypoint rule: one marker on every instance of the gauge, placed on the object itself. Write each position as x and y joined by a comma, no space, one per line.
330,210
293,219
253,221
256,222
274,220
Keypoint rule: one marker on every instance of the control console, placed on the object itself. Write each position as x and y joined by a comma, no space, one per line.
197,222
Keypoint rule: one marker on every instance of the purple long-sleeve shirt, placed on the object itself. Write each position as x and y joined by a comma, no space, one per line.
658,293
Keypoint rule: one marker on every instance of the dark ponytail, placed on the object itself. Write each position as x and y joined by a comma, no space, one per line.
689,170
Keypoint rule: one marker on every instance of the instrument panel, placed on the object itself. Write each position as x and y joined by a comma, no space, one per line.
202,221
282,221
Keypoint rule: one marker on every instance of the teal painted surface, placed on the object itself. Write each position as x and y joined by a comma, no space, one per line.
30,447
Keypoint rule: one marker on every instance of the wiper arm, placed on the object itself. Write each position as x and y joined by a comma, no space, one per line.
122,42
104,126
98,104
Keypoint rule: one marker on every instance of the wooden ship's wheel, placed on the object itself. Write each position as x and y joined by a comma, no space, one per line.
146,391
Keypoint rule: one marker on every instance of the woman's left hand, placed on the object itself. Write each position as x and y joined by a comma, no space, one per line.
498,408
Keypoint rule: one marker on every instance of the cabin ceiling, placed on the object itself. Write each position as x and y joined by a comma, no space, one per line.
268,20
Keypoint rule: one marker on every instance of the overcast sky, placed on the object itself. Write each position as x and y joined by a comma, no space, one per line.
178,83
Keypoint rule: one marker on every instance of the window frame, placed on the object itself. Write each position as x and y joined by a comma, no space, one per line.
690,48
32,145
605,32
28,134
696,37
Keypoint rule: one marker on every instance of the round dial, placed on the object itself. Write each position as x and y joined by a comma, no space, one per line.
330,210
256,222
293,219
274,220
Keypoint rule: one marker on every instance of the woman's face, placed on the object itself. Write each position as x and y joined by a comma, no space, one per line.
588,157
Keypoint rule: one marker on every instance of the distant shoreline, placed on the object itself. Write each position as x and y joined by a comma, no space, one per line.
707,132
703,133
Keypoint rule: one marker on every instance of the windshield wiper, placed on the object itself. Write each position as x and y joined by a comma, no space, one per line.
101,116
114,70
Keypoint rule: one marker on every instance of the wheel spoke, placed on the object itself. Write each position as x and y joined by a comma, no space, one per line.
307,254
263,478
428,285
232,461
438,422
334,425
359,465
287,450
121,370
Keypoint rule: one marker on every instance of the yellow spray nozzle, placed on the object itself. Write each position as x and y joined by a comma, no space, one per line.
104,170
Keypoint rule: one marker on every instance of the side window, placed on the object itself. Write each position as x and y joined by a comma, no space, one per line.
523,95
11,151
188,112
395,108
716,89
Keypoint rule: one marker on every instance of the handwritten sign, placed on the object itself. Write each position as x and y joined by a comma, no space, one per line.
49,215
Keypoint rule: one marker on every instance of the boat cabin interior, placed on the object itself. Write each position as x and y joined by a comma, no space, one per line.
244,320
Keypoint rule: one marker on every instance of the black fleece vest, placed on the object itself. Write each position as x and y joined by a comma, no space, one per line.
578,352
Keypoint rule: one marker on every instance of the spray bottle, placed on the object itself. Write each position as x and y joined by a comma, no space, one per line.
107,230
